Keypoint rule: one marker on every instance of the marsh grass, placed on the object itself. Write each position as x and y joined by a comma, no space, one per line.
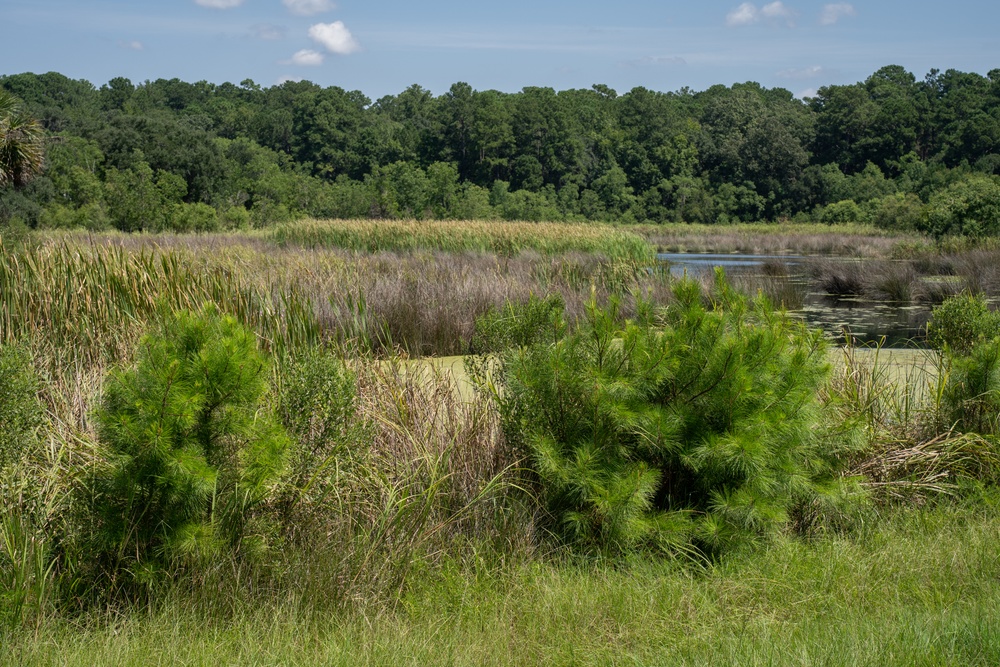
848,260
504,239
91,296
910,454
928,278
781,239
780,288
425,476
898,283
435,479
93,300
839,278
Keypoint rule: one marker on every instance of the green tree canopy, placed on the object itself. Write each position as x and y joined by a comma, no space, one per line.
22,145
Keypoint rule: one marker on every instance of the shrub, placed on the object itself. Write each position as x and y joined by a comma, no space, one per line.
690,425
193,218
235,217
57,216
971,397
897,211
968,334
961,322
191,453
842,212
473,203
970,207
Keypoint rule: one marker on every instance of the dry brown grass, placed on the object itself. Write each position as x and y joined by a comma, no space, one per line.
779,239
428,476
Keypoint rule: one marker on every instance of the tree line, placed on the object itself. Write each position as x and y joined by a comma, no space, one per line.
892,150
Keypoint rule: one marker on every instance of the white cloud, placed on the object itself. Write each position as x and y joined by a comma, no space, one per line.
803,73
286,79
305,57
335,37
748,13
833,13
134,45
267,31
745,14
219,4
309,7
777,10
808,92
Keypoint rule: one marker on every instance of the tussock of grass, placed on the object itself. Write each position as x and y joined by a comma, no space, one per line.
911,455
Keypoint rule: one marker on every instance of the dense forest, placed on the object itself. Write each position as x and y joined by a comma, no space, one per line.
893,150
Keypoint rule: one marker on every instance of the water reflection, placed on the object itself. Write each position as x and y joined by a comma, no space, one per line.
787,281
680,262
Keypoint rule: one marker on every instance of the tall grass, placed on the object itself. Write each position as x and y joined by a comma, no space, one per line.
431,479
92,300
851,240
421,548
919,590
89,296
911,453
505,239
423,475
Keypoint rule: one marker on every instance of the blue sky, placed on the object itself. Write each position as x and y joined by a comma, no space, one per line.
382,46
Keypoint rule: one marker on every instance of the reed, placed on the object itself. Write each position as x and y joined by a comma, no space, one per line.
94,299
779,239
505,239
90,296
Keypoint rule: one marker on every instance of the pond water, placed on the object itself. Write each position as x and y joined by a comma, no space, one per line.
865,321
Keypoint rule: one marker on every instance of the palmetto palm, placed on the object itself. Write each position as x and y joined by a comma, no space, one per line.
21,143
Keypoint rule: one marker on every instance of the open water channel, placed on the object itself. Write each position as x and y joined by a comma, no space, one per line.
864,320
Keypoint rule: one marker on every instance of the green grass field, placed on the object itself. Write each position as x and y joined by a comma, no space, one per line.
915,587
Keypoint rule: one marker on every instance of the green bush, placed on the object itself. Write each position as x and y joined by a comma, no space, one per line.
235,217
961,322
897,211
971,397
970,207
966,331
89,216
842,212
693,425
193,218
192,454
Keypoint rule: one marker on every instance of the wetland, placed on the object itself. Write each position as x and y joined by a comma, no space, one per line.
803,285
